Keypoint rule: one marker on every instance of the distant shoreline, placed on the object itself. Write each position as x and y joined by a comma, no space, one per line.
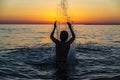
52,24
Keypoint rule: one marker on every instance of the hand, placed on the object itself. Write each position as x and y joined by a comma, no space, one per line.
69,24
55,24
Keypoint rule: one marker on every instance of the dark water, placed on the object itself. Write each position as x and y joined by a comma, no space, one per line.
26,53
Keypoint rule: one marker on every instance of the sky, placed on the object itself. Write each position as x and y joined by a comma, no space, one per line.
47,11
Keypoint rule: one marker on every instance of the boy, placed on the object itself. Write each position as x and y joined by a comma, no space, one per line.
62,46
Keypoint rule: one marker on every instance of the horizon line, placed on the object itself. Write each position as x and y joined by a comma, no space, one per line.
64,23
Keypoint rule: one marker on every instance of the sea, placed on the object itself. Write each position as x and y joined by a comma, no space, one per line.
26,53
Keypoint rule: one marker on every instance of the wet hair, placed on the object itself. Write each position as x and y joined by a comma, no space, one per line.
64,36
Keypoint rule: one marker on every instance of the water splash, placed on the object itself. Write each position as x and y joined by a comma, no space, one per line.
64,7
64,19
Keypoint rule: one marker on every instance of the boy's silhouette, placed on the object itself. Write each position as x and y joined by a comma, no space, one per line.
62,46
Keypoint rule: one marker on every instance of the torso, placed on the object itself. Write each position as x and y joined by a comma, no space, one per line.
62,50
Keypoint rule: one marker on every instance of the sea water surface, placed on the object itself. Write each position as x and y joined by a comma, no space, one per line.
25,51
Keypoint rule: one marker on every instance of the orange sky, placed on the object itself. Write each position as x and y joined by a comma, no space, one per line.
45,11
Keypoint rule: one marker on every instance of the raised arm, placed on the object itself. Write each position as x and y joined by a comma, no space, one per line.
72,32
52,34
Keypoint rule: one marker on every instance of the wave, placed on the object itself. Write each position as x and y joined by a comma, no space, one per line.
38,62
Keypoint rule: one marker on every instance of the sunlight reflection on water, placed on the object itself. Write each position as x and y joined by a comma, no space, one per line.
12,36
25,50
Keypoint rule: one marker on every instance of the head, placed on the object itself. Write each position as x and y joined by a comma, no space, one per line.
63,36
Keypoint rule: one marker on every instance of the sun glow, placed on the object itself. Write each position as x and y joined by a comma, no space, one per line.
46,11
